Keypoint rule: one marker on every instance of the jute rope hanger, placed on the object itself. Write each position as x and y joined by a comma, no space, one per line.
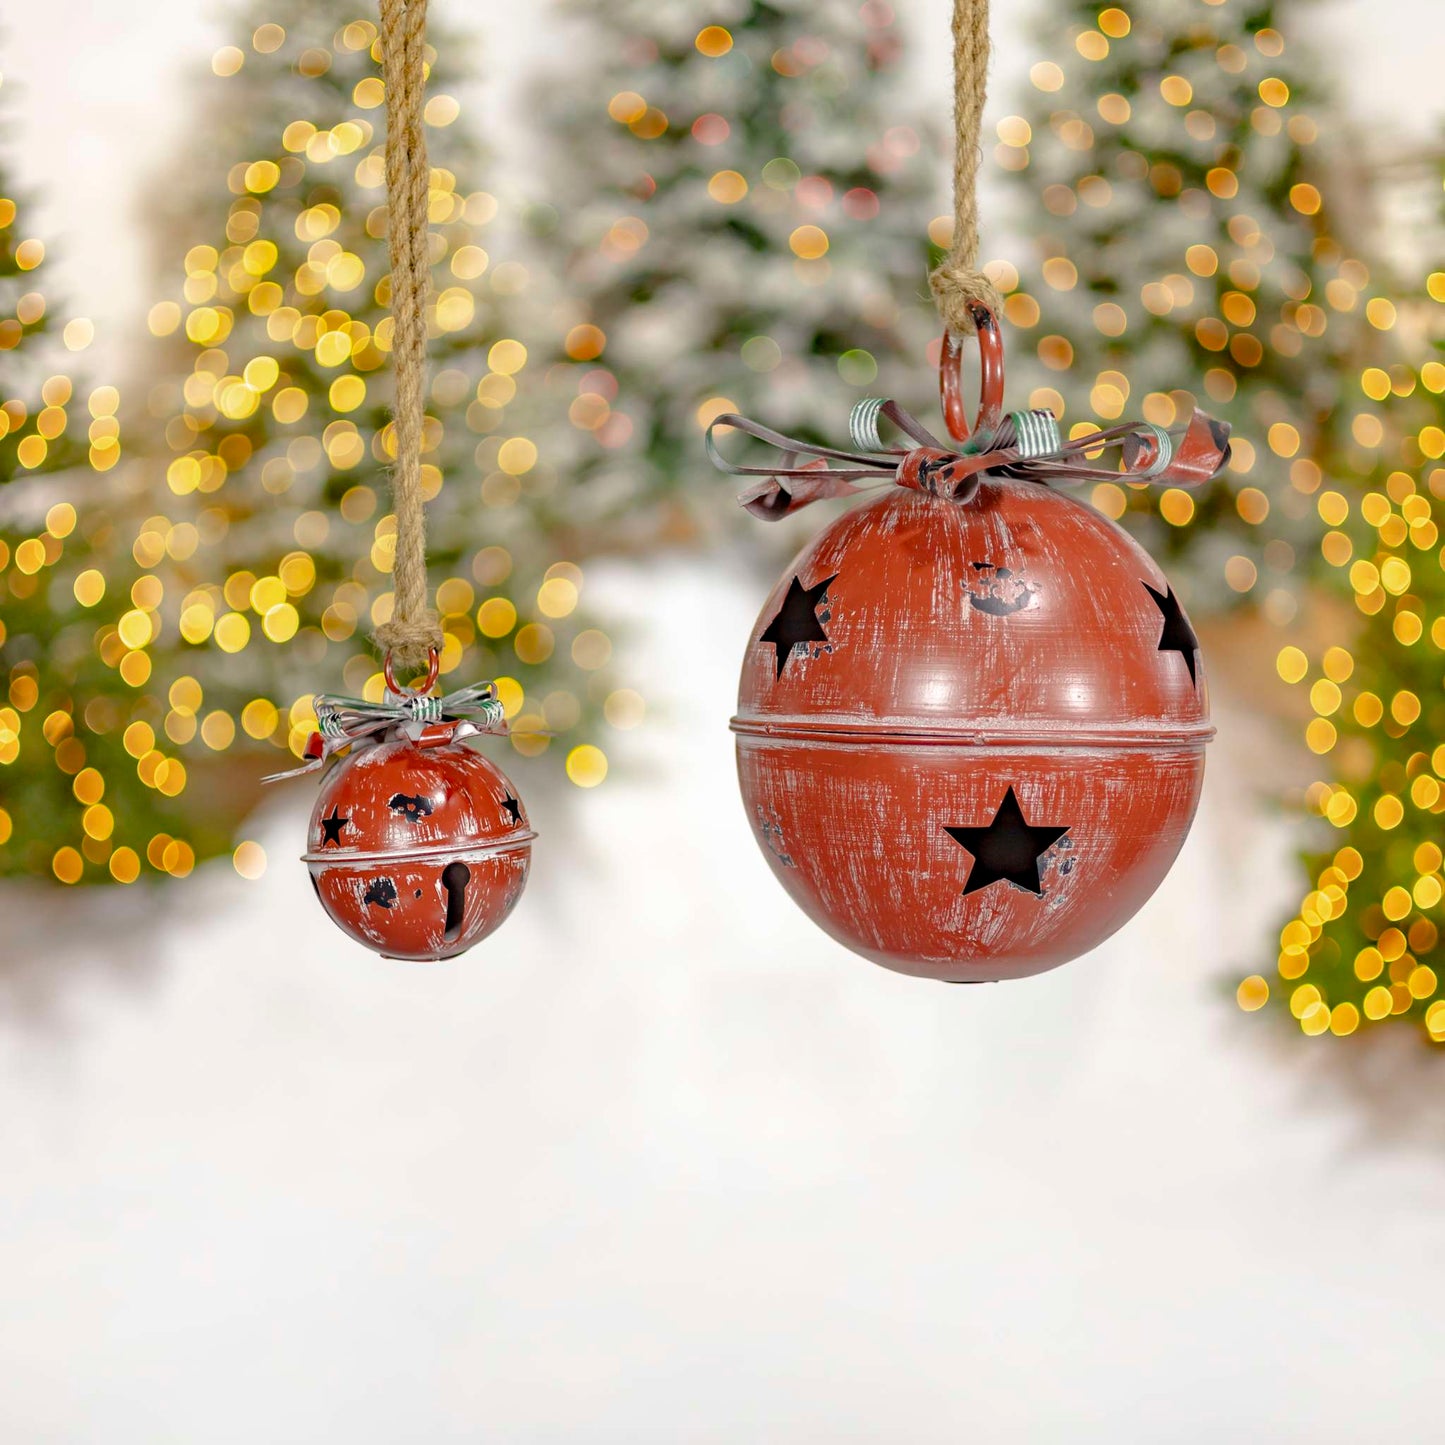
957,281
413,632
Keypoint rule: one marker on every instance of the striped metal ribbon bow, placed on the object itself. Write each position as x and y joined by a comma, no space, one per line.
342,721
1025,444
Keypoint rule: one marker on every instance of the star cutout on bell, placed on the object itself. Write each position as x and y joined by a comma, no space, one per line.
1007,849
797,621
331,828
1178,636
513,807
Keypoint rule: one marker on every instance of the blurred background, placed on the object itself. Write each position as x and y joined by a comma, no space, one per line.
660,1161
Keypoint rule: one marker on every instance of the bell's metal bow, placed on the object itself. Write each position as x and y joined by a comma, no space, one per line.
343,721
1025,444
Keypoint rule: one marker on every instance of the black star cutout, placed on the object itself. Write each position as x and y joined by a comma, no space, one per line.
331,827
1007,849
514,807
1178,636
797,620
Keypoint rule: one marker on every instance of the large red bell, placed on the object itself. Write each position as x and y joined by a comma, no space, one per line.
970,733
418,846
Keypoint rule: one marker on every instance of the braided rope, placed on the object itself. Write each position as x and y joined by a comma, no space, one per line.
413,631
956,282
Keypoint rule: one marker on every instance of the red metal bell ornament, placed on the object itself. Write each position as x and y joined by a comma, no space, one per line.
418,846
972,716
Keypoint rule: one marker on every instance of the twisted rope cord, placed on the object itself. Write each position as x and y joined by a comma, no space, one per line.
413,629
956,280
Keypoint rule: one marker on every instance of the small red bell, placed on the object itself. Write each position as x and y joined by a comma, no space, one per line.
418,846
972,717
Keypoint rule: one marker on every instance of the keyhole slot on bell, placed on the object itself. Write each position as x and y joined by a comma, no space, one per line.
455,877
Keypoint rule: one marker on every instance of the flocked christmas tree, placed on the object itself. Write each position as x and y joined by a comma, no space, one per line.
738,203
1192,205
257,513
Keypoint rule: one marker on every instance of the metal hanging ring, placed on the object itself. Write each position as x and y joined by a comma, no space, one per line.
433,671
950,379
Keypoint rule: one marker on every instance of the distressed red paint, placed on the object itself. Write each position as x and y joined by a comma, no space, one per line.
394,826
972,717
923,707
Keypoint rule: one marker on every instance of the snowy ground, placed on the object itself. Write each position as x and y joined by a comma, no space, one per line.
662,1163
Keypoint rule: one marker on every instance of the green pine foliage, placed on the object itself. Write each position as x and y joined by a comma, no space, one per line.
1365,944
61,711
35,434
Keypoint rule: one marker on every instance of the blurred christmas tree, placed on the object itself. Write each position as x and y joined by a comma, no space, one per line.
33,422
62,710
740,223
1364,944
1192,235
256,512
1185,252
